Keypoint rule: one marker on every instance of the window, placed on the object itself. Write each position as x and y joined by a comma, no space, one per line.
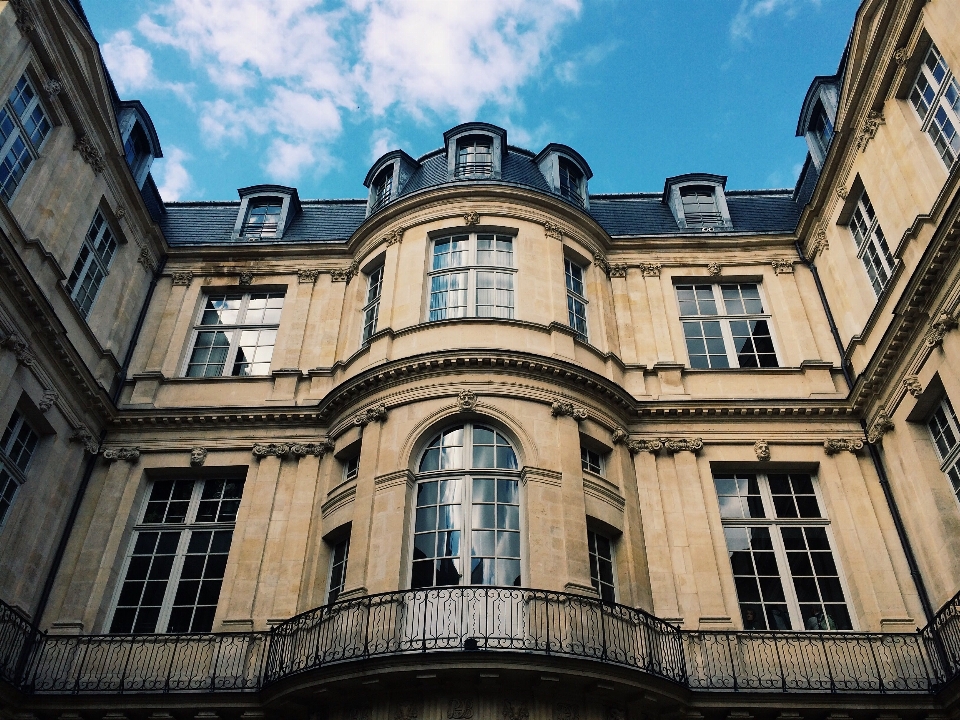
472,276
571,182
936,98
136,149
946,436
601,566
338,569
872,246
779,547
351,467
23,128
93,263
474,156
371,310
16,448
383,187
822,129
468,510
235,334
263,218
591,461
576,298
177,557
700,206
738,333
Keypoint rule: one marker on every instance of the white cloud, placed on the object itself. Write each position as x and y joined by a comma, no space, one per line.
382,141
131,67
175,180
569,70
741,27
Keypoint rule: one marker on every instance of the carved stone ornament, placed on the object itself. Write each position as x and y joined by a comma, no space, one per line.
406,711
881,425
266,450
246,278
842,192
714,268
618,270
373,413
460,709
393,237
762,449
471,218
819,242
782,267
89,152
565,711
939,328
130,454
120,212
198,456
24,16
870,126
182,277
913,386
306,277
514,710
832,446
638,446
552,231
19,347
145,258
650,269
52,88
320,449
675,445
901,56
86,438
344,274
601,261
466,400
619,435
48,400
565,407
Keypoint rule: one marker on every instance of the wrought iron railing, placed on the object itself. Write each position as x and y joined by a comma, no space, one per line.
483,620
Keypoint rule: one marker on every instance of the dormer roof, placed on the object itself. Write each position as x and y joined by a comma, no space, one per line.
569,152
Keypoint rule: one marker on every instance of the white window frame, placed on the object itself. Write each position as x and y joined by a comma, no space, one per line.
700,219
16,476
237,328
949,460
467,170
942,107
89,266
573,297
774,523
725,318
265,230
334,591
598,582
873,246
18,131
371,310
601,463
471,268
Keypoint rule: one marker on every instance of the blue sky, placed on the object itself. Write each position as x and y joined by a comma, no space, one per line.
309,92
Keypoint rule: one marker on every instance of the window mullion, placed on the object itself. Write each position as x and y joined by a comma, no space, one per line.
232,352
728,344
786,578
174,579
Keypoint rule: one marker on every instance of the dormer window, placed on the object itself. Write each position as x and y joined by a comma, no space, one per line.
136,149
697,201
822,129
566,172
817,117
571,181
263,218
383,187
140,143
700,206
266,212
474,156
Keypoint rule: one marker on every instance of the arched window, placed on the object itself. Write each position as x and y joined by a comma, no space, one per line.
467,527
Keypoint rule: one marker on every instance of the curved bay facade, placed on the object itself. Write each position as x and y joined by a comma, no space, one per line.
482,443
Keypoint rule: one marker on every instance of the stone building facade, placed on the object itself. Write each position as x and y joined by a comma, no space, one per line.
482,444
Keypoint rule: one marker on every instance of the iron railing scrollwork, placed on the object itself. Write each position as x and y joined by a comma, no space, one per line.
482,619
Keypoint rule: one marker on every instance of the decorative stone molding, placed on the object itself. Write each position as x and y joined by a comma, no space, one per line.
762,450
182,277
24,16
120,212
675,445
869,130
782,267
832,446
460,709
89,152
373,413
901,56
565,711
619,435
565,407
514,710
618,270
842,192
466,400
85,437
406,711
52,88
305,276
650,269
551,230
272,449
246,278
49,399
130,454
601,261
881,424
714,268
344,274
638,446
394,236
198,456
15,343
320,449
939,329
913,386
819,242
145,258
471,218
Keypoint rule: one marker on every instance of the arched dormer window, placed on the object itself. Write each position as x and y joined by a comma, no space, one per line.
698,202
141,146
387,177
263,218
566,172
475,151
266,211
821,128
817,117
467,526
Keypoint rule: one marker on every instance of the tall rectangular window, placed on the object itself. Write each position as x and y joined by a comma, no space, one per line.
474,157
23,128
17,445
779,547
946,437
235,334
601,565
936,98
174,567
576,298
371,310
338,569
726,326
93,263
872,248
472,276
